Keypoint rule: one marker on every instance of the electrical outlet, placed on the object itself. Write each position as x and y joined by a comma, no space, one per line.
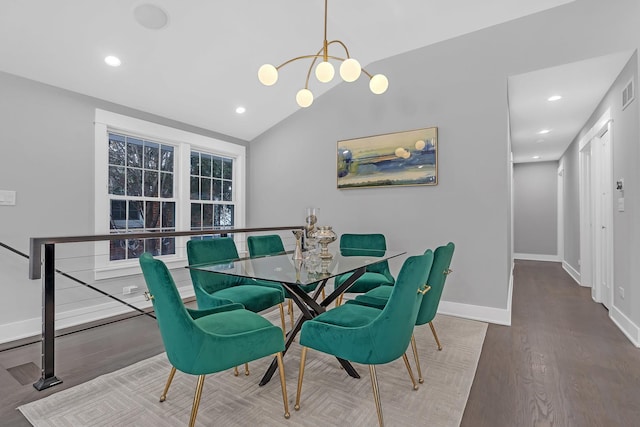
621,291
128,290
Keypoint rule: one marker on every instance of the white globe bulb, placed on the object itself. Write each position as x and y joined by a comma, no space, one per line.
406,154
324,72
268,75
378,84
420,144
304,98
399,152
350,70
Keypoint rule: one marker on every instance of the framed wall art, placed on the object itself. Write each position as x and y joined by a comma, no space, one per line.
401,158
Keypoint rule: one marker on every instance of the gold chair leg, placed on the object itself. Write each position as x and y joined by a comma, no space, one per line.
323,297
416,358
433,331
246,369
196,401
163,396
284,334
339,300
283,384
406,363
235,371
376,394
303,358
291,312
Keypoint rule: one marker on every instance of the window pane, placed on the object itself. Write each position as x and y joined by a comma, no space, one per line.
166,185
151,155
205,165
136,215
168,214
217,167
152,215
227,191
223,215
195,188
205,189
227,169
116,150
152,246
134,182
134,152
166,159
135,248
117,250
168,245
196,216
195,163
118,218
217,189
116,180
207,216
150,183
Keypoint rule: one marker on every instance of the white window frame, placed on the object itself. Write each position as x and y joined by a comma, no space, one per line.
184,142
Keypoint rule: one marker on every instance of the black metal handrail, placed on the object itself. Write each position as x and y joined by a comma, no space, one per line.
36,266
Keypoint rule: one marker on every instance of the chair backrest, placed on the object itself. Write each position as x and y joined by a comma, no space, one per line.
206,251
358,244
180,334
270,244
438,275
391,331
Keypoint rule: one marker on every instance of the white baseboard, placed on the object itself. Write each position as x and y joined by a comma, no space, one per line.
575,275
536,257
499,316
33,327
626,325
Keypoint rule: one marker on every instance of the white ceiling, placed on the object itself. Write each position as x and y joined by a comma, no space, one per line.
204,63
582,86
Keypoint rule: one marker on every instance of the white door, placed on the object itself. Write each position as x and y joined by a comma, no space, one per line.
604,237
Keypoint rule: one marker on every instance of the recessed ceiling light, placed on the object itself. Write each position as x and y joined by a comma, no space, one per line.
536,157
544,131
241,110
151,16
554,98
114,61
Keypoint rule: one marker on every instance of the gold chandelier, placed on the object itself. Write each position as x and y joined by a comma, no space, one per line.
350,70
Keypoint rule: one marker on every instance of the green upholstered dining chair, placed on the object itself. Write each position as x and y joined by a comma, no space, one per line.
202,342
368,335
271,244
376,274
213,289
378,297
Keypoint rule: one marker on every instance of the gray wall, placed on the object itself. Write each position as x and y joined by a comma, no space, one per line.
535,210
626,155
459,86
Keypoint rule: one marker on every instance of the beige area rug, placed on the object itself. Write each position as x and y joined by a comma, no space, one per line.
129,397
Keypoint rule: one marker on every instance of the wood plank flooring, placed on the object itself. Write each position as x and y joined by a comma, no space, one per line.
561,363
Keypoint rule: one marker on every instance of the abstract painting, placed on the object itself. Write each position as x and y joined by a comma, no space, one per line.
401,158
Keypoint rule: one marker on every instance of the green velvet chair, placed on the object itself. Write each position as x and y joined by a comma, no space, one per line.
368,335
439,271
271,244
202,342
214,289
376,274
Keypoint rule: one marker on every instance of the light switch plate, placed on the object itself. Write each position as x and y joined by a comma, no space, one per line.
621,204
7,198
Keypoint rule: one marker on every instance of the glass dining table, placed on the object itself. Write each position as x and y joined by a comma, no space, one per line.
291,273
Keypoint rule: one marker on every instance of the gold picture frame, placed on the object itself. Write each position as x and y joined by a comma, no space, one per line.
392,159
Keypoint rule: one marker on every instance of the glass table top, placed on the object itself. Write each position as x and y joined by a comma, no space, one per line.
282,268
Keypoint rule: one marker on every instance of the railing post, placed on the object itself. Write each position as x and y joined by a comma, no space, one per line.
48,378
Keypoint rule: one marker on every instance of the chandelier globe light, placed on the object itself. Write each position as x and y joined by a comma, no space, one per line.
350,70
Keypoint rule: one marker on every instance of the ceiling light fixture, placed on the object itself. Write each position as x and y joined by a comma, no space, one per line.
114,61
350,70
554,98
536,157
544,131
241,110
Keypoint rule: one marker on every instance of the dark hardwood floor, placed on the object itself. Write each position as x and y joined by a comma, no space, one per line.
561,363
